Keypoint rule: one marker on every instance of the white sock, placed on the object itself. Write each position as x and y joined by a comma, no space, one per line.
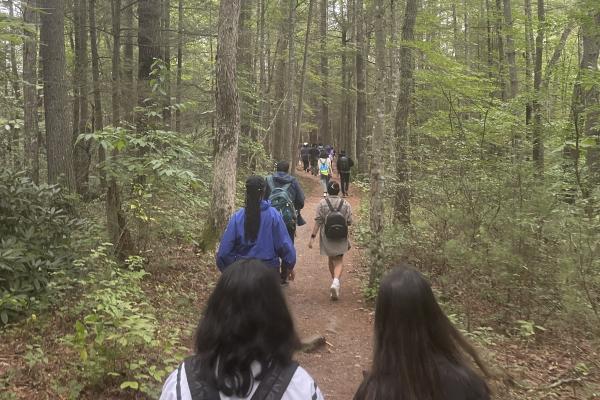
336,281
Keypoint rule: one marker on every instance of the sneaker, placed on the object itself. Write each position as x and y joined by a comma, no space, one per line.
334,290
325,194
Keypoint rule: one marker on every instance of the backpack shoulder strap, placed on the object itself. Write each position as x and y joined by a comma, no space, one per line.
275,382
339,209
200,390
286,187
270,182
329,204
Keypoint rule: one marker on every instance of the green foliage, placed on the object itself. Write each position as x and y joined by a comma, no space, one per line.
37,233
116,328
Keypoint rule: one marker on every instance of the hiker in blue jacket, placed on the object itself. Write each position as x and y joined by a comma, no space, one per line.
257,231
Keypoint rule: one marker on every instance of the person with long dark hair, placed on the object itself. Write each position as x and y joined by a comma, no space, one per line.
418,354
244,344
257,231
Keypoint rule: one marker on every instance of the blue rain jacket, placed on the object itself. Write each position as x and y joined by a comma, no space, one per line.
272,244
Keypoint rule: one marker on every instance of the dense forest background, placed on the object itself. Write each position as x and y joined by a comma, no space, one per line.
127,125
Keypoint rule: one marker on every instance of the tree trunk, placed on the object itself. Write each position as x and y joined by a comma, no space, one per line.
300,108
130,94
510,51
166,56
58,132
244,68
538,140
179,65
376,181
361,88
402,198
500,42
98,119
149,50
116,61
16,92
81,150
30,95
290,145
227,116
528,61
324,133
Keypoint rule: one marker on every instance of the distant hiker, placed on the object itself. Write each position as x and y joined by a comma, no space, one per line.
314,159
286,196
257,231
418,353
334,215
325,170
244,344
305,156
344,164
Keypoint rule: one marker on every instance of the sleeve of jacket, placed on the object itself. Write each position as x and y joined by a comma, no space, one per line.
299,200
225,255
350,162
283,244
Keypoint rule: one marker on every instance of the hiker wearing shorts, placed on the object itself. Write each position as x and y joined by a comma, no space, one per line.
288,201
333,217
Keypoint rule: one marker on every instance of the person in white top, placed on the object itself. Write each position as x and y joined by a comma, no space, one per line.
244,344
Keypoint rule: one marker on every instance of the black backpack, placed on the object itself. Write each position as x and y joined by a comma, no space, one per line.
336,225
271,387
344,164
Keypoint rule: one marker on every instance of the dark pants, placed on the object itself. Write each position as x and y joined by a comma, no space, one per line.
305,163
345,181
284,271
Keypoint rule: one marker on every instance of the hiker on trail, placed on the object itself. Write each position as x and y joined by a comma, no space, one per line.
257,231
325,170
313,155
244,344
305,156
333,217
344,164
286,196
418,353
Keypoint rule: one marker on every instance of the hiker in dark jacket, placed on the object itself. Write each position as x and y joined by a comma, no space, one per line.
344,164
305,156
282,179
257,231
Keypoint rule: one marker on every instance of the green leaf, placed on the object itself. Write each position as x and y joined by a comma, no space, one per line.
130,385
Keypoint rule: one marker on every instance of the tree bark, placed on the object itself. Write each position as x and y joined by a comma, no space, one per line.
149,50
500,42
227,116
528,61
300,108
376,180
290,145
58,132
16,92
129,95
30,95
98,118
402,199
116,61
178,94
244,68
166,56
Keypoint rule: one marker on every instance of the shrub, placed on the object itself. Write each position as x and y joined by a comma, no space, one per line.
36,242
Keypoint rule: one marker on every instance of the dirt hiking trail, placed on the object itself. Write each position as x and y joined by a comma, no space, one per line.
346,324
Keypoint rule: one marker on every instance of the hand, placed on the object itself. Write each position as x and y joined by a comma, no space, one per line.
292,275
310,243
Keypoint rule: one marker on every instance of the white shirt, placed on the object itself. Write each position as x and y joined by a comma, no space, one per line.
301,387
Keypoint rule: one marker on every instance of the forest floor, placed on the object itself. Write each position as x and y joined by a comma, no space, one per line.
555,366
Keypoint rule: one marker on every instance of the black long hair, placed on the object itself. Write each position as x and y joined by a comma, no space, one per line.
255,189
416,346
246,319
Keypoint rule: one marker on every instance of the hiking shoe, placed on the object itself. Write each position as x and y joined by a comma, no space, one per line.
334,291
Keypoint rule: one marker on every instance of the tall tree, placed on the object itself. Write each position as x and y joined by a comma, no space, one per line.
402,198
81,155
227,116
149,50
56,109
98,117
538,139
30,93
166,56
376,181
510,50
324,134
129,93
290,144
361,87
300,108
178,87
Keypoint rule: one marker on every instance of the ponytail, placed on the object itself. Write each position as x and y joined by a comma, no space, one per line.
255,187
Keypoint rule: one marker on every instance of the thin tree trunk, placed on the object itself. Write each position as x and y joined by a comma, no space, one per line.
129,93
81,154
98,115
166,41
361,88
178,89
227,115
538,139
244,70
510,50
402,199
56,109
16,92
528,61
290,141
149,50
324,133
116,62
30,95
500,41
300,108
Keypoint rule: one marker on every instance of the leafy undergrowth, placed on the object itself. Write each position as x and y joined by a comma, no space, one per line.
126,356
